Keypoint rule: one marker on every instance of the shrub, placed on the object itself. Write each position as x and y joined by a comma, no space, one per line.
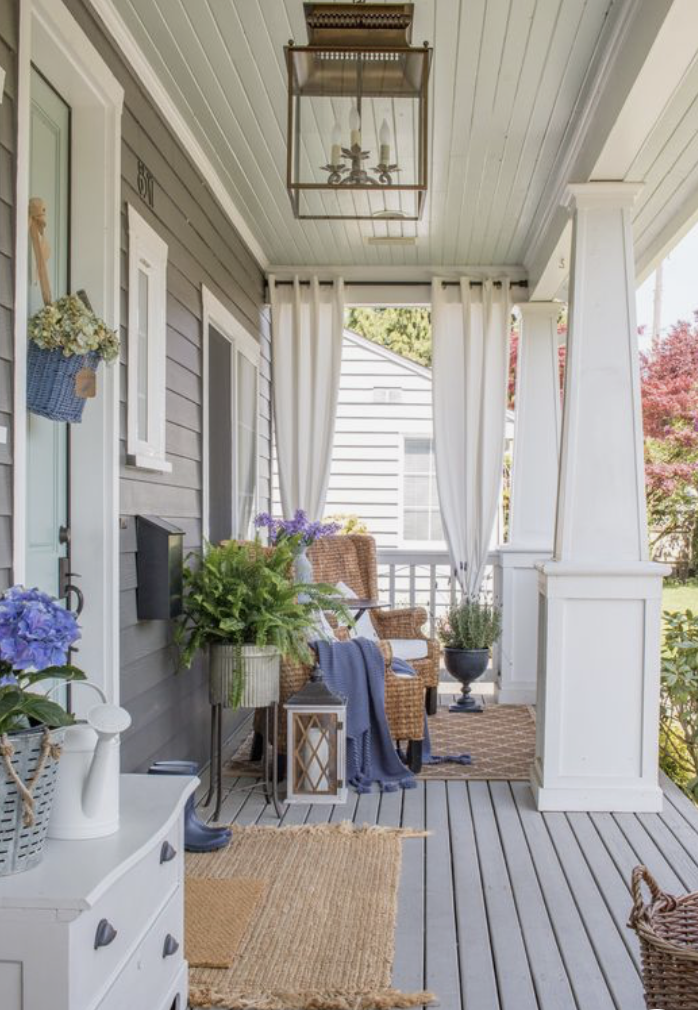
679,699
348,523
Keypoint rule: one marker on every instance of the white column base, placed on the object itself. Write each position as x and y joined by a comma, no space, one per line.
516,653
597,737
595,796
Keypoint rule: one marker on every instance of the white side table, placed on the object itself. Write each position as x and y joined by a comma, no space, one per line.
99,924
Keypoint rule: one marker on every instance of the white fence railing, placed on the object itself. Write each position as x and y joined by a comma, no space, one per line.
408,578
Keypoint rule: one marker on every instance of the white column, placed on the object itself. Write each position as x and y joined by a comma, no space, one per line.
532,507
600,608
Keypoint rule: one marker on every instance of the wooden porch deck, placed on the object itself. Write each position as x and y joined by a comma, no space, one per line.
503,908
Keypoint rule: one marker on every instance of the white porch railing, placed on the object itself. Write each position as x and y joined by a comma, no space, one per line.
409,578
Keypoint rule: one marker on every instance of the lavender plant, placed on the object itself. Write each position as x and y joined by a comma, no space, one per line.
36,635
470,624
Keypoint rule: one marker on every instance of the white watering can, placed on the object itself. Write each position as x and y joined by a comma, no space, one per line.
86,800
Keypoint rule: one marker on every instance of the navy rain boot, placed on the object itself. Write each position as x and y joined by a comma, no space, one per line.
198,836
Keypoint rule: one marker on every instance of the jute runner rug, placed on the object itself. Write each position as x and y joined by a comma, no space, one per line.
213,935
322,935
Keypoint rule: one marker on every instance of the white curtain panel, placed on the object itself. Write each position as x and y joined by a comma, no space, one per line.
307,327
469,389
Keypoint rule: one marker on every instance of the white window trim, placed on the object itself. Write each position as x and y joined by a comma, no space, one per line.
215,314
147,252
413,545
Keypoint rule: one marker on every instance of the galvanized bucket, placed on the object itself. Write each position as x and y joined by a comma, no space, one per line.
260,670
21,844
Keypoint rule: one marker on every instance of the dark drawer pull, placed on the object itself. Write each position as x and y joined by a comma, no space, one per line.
167,852
105,934
170,946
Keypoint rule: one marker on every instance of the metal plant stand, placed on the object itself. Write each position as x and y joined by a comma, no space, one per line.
270,784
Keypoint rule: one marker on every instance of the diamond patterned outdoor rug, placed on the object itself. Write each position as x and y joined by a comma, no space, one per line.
501,741
322,934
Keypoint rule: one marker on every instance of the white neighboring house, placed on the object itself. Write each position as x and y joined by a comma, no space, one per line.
383,456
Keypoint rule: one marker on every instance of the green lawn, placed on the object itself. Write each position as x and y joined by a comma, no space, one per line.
681,597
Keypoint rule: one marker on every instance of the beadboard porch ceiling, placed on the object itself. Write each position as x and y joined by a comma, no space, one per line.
510,87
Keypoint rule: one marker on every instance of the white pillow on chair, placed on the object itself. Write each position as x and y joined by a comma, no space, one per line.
364,626
409,648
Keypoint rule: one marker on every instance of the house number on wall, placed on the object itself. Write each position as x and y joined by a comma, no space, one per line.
146,184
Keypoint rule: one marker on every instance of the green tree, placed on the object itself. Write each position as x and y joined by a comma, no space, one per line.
404,331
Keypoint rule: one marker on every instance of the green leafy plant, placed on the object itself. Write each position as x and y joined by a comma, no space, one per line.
679,699
244,594
68,325
470,624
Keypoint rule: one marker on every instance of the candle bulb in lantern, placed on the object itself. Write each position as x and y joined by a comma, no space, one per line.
336,155
384,138
355,127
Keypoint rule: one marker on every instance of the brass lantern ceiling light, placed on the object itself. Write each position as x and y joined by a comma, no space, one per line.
357,114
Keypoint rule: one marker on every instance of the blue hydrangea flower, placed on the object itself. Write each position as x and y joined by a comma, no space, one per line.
35,631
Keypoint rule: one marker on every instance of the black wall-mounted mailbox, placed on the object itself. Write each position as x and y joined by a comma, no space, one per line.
159,564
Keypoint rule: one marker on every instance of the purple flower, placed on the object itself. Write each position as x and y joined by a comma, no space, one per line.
8,680
299,527
35,631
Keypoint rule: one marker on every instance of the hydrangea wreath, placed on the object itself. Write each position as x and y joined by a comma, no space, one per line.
36,635
70,326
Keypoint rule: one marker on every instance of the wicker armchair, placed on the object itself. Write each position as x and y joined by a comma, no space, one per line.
404,704
351,558
404,708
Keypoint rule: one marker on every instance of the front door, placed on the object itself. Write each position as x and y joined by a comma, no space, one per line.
48,448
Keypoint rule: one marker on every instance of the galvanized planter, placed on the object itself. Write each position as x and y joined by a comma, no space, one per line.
260,670
21,846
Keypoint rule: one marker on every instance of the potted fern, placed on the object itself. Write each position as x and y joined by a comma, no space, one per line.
468,633
243,605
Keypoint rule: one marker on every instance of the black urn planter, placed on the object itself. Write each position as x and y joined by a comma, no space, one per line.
466,665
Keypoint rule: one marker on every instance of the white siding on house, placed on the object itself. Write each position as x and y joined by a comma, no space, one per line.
382,398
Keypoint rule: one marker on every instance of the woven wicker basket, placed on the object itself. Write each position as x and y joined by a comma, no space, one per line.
667,928
51,383
261,686
20,846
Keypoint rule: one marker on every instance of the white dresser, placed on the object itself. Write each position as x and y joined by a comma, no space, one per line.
99,924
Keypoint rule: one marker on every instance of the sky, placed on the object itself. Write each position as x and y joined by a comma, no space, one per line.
680,287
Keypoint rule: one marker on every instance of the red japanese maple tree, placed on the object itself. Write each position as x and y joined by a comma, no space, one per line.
669,375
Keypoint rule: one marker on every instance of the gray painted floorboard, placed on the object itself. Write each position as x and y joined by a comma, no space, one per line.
503,908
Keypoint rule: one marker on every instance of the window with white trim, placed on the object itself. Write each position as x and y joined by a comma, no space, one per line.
147,345
421,514
231,418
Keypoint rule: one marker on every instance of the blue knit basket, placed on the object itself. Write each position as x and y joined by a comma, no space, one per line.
51,383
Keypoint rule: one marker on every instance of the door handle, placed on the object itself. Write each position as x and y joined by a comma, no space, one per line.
78,594
64,534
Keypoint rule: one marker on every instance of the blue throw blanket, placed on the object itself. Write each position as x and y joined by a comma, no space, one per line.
356,670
